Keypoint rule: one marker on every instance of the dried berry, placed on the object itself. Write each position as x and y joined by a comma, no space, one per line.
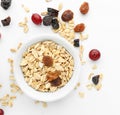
1,112
94,54
67,15
56,82
47,20
47,60
36,18
52,12
95,79
5,4
6,21
53,75
84,8
79,27
76,43
55,23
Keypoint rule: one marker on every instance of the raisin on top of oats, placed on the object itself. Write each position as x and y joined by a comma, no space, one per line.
47,60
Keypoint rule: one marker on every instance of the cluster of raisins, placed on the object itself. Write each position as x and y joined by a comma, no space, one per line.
51,18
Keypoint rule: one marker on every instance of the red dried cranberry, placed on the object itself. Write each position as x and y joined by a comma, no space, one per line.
36,18
94,54
1,112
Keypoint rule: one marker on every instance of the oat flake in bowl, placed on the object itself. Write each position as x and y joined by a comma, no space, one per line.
47,68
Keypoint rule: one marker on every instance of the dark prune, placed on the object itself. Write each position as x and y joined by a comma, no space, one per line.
76,43
56,82
52,12
5,4
6,21
47,20
67,15
95,79
55,23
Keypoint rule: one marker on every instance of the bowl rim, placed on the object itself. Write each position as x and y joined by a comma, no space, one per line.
47,96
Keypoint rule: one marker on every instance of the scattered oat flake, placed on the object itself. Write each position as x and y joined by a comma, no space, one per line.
60,6
89,86
37,102
13,50
12,78
0,86
94,67
98,87
44,104
81,94
25,8
44,13
83,37
19,46
90,76
48,0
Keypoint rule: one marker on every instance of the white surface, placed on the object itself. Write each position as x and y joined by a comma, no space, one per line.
102,25
48,96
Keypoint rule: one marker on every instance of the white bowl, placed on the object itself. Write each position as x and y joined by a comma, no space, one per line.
47,96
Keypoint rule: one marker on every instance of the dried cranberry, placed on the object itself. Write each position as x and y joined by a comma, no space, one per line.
67,15
1,112
55,23
94,54
6,21
47,20
52,12
95,79
36,18
84,8
76,42
79,27
5,4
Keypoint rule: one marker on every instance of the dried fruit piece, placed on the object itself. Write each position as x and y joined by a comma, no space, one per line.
95,79
56,82
76,42
36,18
52,12
53,75
47,60
6,21
47,20
94,54
1,112
79,27
5,4
67,15
84,8
55,23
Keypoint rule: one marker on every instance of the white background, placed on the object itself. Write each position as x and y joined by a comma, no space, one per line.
102,25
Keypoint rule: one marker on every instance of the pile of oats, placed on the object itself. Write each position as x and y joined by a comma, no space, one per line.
47,78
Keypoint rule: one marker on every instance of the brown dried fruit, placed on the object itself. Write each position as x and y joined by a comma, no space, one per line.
53,75
84,8
56,82
48,61
79,27
67,15
6,21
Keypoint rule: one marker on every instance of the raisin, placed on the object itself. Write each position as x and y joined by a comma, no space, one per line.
48,61
5,4
84,8
79,27
76,43
95,79
52,12
6,21
67,15
53,75
55,23
47,20
56,82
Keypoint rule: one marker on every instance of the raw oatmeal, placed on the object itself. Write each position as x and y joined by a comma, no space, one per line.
47,66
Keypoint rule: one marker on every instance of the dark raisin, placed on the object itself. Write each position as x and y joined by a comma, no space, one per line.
47,60
6,21
95,79
47,20
5,4
56,82
55,23
52,12
76,43
67,15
